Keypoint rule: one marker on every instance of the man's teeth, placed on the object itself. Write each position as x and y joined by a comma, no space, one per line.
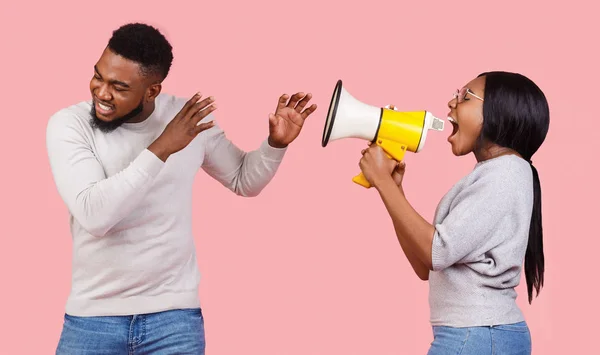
104,107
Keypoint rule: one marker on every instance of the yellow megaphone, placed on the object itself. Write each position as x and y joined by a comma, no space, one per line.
394,131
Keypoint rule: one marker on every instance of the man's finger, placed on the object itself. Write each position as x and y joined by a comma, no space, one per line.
200,115
294,100
203,126
282,101
303,102
308,111
199,106
189,104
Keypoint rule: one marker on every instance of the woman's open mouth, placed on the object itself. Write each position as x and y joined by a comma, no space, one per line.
454,125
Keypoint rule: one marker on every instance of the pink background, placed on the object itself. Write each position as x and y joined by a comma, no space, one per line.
311,266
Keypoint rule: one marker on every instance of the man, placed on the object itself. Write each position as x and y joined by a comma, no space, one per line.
124,163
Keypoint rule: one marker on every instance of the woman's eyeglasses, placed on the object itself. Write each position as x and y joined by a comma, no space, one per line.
460,95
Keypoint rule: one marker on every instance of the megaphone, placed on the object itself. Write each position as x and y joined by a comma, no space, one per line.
394,131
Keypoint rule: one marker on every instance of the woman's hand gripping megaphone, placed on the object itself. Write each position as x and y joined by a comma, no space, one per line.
377,166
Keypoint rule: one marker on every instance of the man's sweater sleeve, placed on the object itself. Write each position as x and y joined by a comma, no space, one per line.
244,173
96,202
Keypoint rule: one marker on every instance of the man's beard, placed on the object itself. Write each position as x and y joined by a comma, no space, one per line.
108,127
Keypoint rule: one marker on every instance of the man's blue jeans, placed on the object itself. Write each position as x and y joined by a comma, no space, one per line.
170,332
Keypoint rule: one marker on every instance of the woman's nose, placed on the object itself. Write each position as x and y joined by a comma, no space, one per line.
452,103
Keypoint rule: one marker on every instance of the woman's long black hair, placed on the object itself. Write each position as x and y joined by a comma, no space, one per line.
516,116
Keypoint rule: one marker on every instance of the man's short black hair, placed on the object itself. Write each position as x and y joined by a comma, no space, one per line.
145,45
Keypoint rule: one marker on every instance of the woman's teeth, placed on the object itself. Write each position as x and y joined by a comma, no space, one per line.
454,125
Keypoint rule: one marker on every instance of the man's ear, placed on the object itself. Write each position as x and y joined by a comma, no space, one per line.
153,91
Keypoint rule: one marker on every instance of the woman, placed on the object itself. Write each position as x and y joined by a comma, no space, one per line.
485,226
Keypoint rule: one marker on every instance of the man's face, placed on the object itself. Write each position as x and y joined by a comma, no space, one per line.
118,91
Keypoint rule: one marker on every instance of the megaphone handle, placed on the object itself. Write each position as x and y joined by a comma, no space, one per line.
361,180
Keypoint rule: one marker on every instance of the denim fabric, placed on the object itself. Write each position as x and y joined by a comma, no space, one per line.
508,339
169,332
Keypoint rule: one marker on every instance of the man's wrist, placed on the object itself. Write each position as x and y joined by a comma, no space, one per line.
273,144
159,150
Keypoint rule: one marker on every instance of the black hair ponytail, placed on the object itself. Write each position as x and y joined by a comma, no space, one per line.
534,256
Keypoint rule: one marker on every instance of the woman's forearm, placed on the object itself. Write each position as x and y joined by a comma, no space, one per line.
414,233
418,266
